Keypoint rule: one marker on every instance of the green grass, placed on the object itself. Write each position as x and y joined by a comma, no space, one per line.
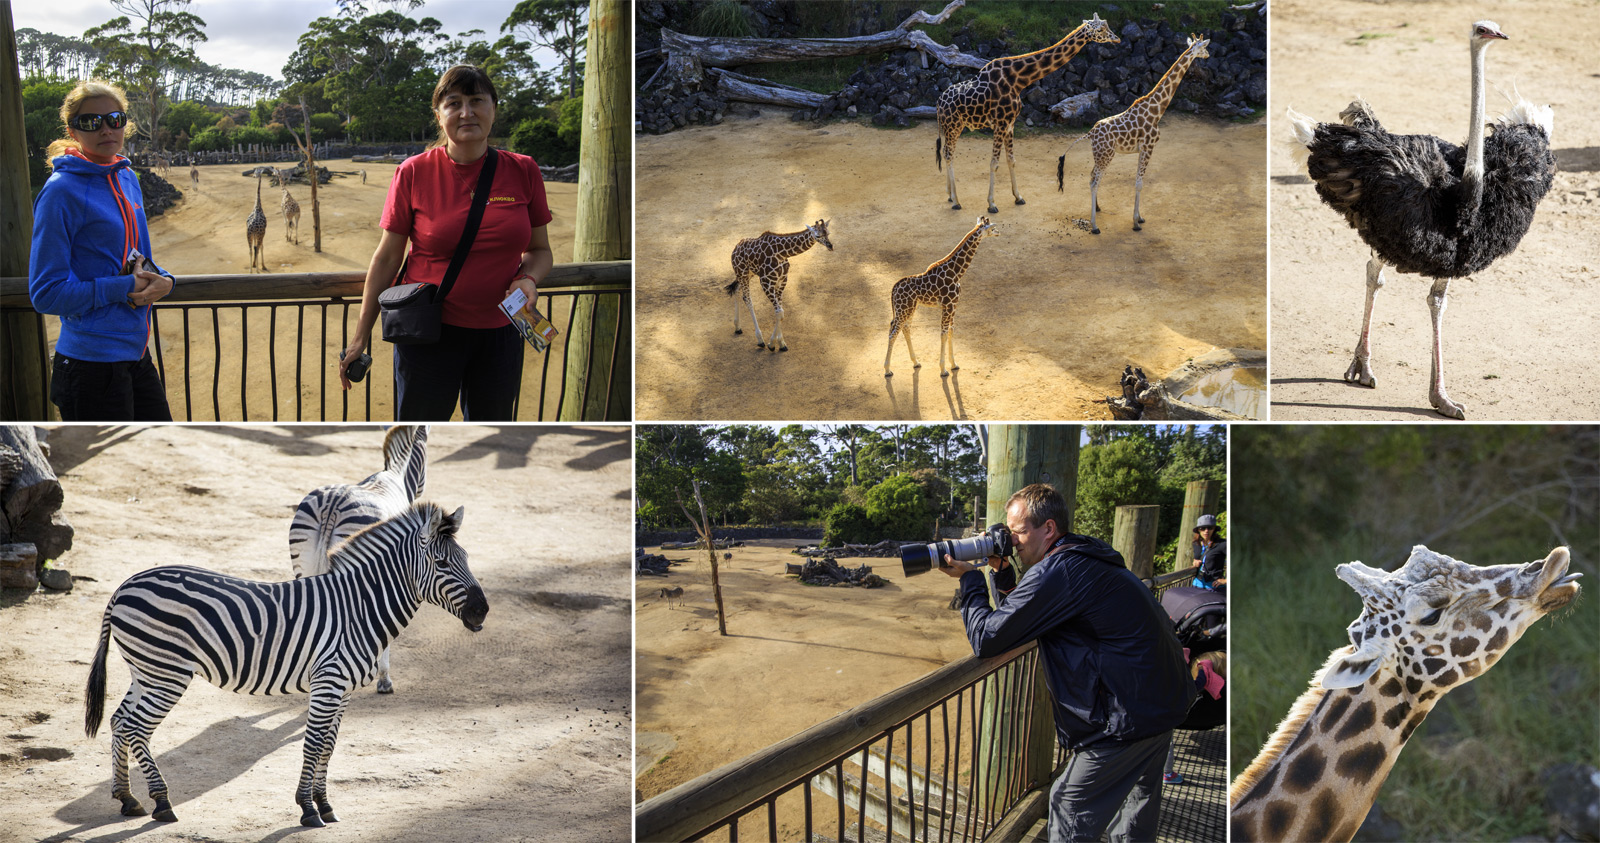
1031,24
1472,770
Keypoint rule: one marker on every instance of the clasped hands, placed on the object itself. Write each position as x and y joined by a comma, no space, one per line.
148,287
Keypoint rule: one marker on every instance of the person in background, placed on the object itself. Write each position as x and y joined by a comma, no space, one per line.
1210,552
87,222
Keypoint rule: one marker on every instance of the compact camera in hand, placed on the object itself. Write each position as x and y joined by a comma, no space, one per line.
357,370
921,558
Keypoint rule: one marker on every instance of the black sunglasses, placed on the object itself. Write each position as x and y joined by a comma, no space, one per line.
91,122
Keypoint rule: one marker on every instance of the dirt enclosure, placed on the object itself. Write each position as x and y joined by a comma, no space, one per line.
1048,316
520,732
1519,337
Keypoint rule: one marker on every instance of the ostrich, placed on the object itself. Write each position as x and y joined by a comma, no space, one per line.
1425,205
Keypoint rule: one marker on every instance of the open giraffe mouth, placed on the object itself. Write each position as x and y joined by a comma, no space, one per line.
1560,593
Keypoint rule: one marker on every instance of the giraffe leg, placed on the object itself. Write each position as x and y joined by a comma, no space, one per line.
950,166
761,341
1094,193
950,337
1011,168
1438,297
1360,370
1138,183
738,282
773,283
994,164
947,337
894,328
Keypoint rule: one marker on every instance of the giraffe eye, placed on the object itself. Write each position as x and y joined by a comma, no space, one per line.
1431,618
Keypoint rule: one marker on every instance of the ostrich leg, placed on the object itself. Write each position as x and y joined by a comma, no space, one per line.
1360,371
1438,297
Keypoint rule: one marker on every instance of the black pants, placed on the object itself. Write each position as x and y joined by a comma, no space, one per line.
84,390
480,366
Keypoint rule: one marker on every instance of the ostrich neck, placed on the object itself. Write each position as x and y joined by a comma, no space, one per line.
1474,165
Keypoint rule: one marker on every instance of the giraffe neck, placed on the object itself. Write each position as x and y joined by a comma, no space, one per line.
789,245
1029,68
1318,775
954,265
1161,95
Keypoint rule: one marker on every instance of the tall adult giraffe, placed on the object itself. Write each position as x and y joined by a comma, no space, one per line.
993,98
1429,627
1134,130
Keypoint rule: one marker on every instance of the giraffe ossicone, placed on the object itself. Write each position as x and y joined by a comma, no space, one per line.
1134,130
939,284
993,99
1431,625
767,258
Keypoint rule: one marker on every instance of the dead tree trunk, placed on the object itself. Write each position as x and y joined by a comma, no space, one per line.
30,496
702,525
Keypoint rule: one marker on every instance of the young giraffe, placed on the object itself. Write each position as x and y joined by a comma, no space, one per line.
993,98
255,229
767,258
1432,625
939,284
291,210
1134,130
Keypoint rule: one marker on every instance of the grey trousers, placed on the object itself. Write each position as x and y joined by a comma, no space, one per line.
1117,786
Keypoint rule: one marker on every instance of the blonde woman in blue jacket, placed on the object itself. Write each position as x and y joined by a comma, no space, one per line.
87,221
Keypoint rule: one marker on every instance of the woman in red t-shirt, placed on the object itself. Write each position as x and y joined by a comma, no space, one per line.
478,357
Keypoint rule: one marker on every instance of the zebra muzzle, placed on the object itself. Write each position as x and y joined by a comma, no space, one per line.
475,610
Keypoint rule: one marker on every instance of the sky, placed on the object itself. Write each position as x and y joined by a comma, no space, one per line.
261,36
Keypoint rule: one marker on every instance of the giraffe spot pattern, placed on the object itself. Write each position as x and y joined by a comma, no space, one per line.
1427,695
1413,685
1503,587
1502,608
1447,678
1471,668
1262,788
1359,721
1433,666
1275,819
1335,712
1360,764
1396,629
1415,721
1463,646
1433,650
1391,688
1324,812
1393,716
1305,770
1498,642
1482,622
1242,827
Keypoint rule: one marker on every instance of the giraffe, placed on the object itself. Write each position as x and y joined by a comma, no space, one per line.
1134,130
993,98
1430,626
255,228
194,177
767,258
939,284
291,210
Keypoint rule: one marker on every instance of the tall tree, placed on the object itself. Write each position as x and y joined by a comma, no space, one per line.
560,25
150,39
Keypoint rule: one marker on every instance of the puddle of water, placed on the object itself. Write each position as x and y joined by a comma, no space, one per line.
1237,389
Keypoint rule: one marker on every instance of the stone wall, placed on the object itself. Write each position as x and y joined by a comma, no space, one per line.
655,537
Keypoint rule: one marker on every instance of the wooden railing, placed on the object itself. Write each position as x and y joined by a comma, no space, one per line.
210,373
947,757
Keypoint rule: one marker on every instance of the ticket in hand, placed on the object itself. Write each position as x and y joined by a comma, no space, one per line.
534,328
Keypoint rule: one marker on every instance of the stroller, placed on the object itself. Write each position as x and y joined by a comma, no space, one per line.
1200,618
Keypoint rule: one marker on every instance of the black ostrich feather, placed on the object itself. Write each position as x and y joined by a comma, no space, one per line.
1406,197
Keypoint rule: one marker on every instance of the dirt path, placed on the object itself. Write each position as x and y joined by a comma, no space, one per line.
1044,305
1520,338
794,655
520,732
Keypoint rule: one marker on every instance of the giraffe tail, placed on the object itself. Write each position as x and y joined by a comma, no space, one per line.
938,153
1061,173
731,287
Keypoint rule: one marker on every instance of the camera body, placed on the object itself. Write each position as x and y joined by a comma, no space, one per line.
357,370
920,558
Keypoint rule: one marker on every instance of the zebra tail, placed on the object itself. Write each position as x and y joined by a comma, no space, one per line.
94,698
938,159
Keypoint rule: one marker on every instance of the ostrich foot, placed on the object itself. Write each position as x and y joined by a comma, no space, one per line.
1444,406
1360,373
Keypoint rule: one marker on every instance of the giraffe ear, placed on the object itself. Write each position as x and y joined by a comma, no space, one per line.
1353,668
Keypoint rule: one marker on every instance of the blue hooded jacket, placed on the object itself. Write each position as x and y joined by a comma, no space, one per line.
1111,658
85,219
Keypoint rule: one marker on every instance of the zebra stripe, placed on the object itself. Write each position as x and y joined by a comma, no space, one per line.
319,635
333,513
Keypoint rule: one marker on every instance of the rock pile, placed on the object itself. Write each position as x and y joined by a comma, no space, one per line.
884,549
159,194
827,571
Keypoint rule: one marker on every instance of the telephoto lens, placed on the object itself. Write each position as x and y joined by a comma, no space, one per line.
920,558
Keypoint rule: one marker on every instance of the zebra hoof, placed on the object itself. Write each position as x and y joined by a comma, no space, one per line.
385,686
163,813
310,819
131,807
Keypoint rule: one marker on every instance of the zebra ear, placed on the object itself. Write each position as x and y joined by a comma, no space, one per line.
452,522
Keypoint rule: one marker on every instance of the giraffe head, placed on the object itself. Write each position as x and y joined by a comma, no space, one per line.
983,228
819,232
1098,30
1197,48
1437,622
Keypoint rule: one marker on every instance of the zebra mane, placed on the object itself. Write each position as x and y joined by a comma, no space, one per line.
413,519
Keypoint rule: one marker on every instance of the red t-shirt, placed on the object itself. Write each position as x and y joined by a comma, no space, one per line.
429,200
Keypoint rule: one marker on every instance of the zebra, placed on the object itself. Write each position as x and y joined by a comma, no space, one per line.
333,513
316,635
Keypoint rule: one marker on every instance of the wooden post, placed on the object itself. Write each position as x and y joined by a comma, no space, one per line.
1134,536
1021,454
1200,498
24,374
603,228
703,527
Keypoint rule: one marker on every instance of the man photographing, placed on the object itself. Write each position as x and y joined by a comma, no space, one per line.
1112,661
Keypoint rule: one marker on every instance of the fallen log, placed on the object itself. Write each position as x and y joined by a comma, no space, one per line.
1075,106
1143,401
734,86
30,495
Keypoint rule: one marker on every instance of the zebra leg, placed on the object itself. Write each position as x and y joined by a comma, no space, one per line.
322,729
138,724
385,684
120,739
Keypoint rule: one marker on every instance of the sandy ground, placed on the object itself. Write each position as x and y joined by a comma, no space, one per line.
204,234
1520,339
520,732
794,656
1045,307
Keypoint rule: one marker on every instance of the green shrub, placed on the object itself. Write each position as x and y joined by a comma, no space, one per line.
210,140
897,509
255,134
847,522
540,138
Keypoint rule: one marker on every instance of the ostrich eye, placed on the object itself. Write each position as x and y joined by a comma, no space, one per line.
1431,618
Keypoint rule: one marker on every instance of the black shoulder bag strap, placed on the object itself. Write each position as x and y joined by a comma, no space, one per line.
480,200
